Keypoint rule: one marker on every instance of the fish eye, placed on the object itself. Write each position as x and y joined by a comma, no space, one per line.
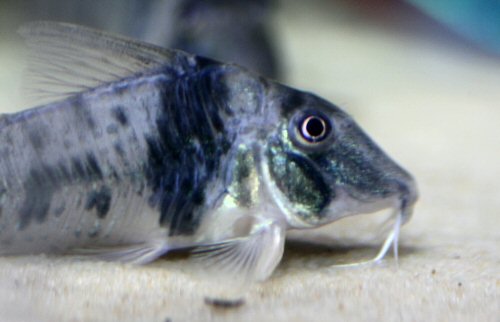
314,128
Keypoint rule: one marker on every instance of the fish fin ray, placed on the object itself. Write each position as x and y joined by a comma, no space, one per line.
247,259
136,253
64,59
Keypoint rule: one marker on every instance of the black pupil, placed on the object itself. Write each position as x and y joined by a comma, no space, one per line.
315,127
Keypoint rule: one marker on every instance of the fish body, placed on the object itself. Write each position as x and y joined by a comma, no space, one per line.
172,150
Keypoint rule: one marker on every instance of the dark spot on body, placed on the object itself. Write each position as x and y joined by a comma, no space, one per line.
86,169
98,132
198,197
36,207
119,149
42,182
138,185
36,139
132,138
119,114
63,172
59,210
93,167
184,153
112,129
224,303
100,200
39,187
114,175
77,167
94,233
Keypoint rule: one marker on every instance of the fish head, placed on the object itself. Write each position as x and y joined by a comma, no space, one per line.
321,166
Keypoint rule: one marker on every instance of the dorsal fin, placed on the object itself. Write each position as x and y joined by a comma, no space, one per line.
66,59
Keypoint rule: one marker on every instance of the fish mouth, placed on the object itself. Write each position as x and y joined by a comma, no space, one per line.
406,195
401,205
400,195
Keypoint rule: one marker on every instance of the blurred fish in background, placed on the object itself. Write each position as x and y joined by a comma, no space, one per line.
477,20
241,31
228,30
469,22
233,31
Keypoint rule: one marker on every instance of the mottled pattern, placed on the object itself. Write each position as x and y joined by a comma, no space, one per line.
119,114
186,153
100,200
44,180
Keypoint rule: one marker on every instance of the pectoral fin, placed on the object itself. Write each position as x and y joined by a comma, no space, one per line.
136,253
249,258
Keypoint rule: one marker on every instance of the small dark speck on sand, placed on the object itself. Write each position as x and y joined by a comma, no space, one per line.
433,272
224,303
459,284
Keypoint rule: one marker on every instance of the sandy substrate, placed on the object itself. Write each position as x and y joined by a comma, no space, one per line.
434,106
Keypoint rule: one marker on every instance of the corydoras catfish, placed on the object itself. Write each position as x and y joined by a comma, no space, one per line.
144,150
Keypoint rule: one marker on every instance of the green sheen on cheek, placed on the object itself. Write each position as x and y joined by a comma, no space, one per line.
301,184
